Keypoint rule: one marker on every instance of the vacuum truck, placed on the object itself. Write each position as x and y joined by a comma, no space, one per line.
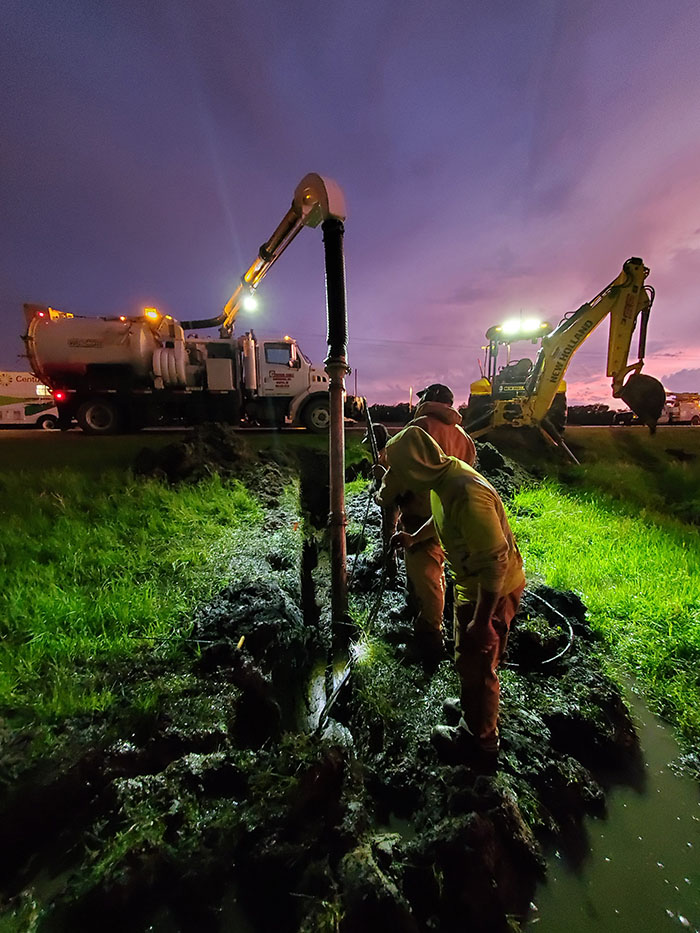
128,372
122,373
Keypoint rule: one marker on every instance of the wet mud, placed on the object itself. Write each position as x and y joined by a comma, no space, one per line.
234,799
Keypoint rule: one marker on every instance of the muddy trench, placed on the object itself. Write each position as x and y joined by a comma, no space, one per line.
230,799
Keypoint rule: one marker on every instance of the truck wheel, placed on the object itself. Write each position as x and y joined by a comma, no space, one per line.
48,423
317,416
99,416
695,420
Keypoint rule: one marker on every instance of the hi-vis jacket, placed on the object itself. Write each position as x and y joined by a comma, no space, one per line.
443,424
469,516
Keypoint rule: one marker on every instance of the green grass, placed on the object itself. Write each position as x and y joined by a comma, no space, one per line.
657,475
100,567
98,564
637,571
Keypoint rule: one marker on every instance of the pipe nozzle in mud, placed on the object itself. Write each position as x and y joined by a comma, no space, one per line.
646,397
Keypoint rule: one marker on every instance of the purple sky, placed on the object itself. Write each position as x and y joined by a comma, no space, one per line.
495,157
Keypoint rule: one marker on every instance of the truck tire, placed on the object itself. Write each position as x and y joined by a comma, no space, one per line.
47,423
317,416
695,421
99,416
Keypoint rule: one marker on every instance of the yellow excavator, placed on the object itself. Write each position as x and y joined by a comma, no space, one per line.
522,394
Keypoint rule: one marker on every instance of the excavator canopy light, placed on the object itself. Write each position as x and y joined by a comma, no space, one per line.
151,313
527,327
510,327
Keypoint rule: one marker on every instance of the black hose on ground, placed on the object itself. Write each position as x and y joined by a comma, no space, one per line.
561,615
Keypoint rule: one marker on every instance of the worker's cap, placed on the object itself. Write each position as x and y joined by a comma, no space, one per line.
437,393
381,436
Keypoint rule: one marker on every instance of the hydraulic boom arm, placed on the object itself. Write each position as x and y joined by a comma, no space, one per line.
626,299
315,199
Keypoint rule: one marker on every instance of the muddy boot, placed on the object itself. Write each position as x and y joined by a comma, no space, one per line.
455,745
452,709
427,649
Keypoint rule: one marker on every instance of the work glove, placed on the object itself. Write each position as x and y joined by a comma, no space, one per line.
401,539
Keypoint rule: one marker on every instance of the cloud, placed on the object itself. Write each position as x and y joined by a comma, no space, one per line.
684,380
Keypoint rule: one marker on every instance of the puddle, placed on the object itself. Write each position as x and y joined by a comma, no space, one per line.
642,869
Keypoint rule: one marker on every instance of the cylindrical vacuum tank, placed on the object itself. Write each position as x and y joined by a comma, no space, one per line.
66,346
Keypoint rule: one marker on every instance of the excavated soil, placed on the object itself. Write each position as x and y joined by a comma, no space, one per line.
235,802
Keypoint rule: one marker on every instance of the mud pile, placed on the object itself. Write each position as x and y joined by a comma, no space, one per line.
221,449
505,474
210,448
221,801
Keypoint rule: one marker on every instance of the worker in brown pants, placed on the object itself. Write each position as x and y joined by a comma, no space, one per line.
477,657
470,522
425,562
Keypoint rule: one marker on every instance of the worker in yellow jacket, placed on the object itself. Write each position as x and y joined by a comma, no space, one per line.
470,522
425,562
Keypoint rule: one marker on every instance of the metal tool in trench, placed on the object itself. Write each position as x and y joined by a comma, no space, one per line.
355,653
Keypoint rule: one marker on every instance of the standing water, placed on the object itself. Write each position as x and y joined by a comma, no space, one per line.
642,870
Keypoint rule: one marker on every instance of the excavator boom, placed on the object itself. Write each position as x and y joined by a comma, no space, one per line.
626,300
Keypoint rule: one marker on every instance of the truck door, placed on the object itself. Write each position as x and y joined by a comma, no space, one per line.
281,369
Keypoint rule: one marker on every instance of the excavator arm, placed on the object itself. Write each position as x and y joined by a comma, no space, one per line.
625,300
315,199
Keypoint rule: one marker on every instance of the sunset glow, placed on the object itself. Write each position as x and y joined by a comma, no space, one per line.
497,161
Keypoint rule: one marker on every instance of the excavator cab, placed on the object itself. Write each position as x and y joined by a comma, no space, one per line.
504,379
512,377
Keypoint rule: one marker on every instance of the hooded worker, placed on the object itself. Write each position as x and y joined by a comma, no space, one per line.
437,415
471,525
425,562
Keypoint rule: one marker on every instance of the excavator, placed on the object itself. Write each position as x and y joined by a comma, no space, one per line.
523,394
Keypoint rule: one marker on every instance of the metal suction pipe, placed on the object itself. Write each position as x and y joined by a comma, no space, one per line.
337,368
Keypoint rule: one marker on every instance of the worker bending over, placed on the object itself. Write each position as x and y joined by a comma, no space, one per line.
425,561
470,522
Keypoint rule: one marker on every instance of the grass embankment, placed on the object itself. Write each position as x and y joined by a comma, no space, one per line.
623,534
97,564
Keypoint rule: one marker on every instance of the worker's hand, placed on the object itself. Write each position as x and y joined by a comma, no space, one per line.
378,473
402,539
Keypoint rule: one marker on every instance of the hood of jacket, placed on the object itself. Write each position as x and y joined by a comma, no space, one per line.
416,460
439,410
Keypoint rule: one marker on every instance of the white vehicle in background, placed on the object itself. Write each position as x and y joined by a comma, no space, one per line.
24,399
681,408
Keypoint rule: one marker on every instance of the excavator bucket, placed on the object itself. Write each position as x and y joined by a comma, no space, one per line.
646,397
